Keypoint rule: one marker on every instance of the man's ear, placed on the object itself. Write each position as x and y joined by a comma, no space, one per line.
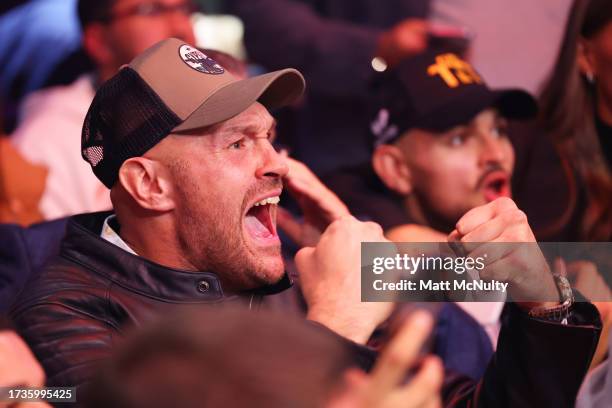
96,44
390,165
148,183
584,58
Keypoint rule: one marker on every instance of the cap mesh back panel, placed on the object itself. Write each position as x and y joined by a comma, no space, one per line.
125,119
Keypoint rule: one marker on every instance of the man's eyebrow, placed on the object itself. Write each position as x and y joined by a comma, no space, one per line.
248,129
500,117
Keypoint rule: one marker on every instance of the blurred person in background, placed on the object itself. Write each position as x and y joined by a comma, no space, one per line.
36,36
441,147
564,159
333,43
282,362
565,177
21,185
577,119
441,140
49,131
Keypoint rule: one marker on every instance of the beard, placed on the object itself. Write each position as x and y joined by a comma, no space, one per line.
211,236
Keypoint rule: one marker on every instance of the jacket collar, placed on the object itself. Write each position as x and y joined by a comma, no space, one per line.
84,246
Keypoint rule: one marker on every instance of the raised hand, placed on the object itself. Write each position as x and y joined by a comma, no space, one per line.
330,277
319,205
384,387
523,266
405,39
18,367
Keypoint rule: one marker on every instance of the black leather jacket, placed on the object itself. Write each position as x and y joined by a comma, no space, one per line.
73,313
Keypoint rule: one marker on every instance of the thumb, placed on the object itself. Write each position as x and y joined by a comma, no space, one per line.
304,259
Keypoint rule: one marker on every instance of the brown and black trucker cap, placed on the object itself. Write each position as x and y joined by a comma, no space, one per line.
172,87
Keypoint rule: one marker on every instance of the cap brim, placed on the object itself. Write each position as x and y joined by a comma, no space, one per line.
511,103
273,90
515,104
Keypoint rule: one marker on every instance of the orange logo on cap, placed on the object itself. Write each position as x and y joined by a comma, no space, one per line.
453,70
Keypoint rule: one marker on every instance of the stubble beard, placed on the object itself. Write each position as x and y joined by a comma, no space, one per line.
213,240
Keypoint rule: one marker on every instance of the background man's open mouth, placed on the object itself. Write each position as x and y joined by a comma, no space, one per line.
496,184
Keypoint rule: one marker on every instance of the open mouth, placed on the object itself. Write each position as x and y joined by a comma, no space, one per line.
260,220
495,185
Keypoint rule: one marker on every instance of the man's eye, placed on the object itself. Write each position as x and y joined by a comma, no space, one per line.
500,132
236,145
456,140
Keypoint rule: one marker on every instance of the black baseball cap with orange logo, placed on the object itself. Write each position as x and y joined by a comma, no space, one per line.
436,91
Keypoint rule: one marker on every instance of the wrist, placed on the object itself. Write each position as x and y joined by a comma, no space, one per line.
529,306
561,310
547,296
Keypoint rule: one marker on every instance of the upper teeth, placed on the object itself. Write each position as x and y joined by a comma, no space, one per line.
270,200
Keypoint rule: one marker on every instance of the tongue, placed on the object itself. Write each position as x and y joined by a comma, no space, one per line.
255,224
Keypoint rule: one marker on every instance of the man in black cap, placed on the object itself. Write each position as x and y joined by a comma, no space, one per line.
185,149
442,147
441,141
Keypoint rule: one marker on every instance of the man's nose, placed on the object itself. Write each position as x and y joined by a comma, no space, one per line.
492,150
273,163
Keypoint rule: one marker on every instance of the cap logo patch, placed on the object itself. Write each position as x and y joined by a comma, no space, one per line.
454,71
199,61
382,130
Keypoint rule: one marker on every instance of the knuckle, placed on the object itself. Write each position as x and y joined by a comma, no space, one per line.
504,202
394,358
336,225
514,216
373,227
303,255
520,216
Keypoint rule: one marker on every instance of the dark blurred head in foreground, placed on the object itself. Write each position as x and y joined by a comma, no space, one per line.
116,31
223,358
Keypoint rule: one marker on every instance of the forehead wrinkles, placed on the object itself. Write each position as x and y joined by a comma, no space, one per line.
254,120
